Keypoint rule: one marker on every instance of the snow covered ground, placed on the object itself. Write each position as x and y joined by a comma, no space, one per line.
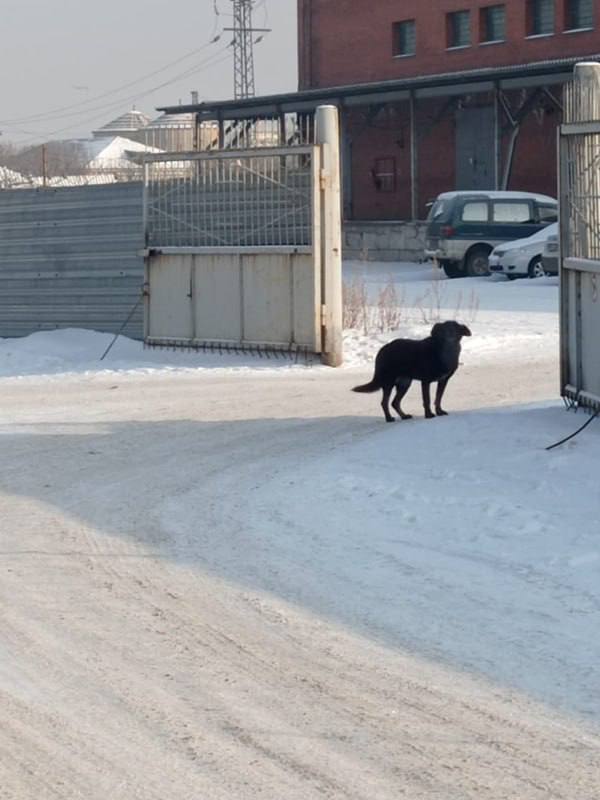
503,315
226,576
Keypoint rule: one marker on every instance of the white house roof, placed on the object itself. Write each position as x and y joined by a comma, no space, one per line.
112,151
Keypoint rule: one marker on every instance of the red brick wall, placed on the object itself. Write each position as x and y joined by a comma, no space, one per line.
350,41
388,135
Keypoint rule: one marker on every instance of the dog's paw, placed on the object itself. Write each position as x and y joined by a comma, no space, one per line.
406,416
429,415
390,419
441,413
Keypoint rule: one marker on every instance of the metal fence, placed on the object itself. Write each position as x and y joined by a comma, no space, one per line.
284,130
581,171
230,199
70,257
579,155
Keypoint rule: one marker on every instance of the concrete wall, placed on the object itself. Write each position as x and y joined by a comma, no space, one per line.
383,241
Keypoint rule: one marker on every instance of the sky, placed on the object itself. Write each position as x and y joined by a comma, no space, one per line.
70,66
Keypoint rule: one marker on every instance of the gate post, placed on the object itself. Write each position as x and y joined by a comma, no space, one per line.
328,138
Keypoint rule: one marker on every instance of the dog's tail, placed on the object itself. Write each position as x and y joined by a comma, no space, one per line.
372,386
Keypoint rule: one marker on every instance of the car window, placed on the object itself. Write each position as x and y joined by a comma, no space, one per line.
548,213
475,211
439,210
512,212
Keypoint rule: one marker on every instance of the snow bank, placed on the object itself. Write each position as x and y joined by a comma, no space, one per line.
507,318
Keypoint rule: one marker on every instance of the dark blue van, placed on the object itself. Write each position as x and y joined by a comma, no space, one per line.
464,227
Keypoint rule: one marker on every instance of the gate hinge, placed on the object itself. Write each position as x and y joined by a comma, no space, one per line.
323,179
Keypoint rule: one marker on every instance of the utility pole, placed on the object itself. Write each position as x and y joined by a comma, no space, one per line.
243,48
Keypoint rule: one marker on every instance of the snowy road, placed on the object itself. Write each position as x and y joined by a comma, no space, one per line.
229,578
247,585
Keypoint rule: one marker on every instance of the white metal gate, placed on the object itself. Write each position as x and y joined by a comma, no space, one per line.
243,248
579,170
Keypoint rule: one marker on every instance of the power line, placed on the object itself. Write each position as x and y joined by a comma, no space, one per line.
56,112
207,63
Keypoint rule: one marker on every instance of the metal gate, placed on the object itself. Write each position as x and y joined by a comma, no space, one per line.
579,170
243,248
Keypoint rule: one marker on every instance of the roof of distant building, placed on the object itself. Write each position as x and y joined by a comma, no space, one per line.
132,120
172,121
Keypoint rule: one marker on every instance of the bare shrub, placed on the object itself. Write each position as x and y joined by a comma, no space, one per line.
354,299
385,315
429,305
389,307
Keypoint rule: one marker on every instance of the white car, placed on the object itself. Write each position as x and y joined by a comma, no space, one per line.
523,257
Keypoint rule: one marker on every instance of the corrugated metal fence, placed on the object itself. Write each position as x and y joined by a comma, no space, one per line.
70,257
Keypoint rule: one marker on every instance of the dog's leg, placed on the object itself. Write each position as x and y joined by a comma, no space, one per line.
426,399
402,387
438,397
385,400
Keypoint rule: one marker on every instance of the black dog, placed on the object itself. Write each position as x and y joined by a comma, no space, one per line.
402,361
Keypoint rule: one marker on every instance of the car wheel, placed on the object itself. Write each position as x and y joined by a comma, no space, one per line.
536,268
453,269
477,262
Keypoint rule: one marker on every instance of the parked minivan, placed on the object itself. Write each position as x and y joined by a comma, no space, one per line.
464,227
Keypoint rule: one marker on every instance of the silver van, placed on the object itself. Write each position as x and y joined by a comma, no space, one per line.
464,227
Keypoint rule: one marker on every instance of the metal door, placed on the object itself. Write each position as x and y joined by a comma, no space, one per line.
475,148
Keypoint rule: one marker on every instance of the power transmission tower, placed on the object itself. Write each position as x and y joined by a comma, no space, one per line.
243,48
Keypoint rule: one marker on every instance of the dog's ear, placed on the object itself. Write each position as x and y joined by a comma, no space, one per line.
437,332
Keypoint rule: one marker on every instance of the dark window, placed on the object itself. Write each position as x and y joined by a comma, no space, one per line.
579,14
540,17
493,24
384,174
458,26
405,38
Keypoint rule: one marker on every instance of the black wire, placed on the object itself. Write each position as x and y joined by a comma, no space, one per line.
122,328
566,439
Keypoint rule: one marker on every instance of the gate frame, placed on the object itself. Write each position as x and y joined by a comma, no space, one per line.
326,246
575,269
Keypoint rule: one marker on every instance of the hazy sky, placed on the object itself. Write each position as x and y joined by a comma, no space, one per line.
75,53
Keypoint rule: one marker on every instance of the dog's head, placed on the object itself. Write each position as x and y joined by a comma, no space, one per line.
449,330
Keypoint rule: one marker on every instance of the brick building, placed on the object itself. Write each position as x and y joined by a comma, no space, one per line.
457,94
434,95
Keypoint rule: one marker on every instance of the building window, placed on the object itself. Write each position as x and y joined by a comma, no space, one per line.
405,38
384,174
579,14
540,17
458,29
493,24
